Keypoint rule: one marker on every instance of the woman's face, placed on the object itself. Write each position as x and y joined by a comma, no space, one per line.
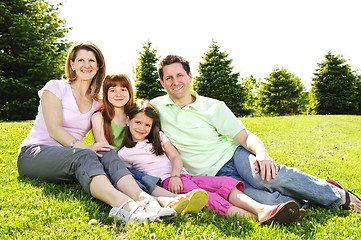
85,65
118,96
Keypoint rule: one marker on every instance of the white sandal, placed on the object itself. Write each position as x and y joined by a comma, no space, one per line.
126,217
151,206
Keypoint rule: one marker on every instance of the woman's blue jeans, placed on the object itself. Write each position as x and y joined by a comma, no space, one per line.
289,184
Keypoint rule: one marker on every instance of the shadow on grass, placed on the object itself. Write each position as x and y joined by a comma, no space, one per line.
210,224
70,192
205,224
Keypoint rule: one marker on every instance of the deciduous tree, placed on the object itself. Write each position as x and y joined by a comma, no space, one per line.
358,95
251,85
32,52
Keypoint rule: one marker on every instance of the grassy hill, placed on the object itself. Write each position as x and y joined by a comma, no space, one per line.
324,146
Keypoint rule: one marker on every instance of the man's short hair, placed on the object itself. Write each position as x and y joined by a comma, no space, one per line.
170,59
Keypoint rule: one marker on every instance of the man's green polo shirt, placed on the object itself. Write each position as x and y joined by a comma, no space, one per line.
202,132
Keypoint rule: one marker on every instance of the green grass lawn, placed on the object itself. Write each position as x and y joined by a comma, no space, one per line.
324,146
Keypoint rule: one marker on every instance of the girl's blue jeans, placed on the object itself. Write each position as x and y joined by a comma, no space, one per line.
289,184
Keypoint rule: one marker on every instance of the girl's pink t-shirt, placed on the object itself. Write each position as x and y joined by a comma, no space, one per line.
141,158
74,122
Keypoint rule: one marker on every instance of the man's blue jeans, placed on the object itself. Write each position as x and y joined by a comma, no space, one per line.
290,183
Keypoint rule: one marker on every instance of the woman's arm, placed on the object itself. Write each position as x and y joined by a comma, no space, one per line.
175,183
53,117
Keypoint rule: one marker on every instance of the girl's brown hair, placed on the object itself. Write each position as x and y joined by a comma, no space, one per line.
107,109
96,83
144,106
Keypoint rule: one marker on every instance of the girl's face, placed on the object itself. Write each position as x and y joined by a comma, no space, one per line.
139,126
118,96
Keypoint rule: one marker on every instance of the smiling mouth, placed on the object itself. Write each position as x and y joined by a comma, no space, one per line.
178,88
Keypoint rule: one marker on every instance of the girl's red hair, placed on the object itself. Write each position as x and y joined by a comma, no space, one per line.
107,109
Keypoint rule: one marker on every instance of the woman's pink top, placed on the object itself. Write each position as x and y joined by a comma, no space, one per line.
74,122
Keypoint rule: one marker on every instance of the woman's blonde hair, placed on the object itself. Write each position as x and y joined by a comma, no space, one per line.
97,81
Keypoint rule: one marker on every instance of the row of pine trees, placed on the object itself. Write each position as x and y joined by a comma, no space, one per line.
336,89
33,47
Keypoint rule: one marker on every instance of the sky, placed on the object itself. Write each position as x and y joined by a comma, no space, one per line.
259,35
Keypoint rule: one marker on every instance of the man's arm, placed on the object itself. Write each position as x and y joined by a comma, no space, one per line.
264,163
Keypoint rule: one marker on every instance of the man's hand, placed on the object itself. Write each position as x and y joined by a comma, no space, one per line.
265,165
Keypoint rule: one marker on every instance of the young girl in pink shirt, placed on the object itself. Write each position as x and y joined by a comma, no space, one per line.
108,127
148,150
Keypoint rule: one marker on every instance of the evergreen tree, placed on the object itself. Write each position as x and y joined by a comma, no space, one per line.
216,80
334,87
32,52
147,84
281,93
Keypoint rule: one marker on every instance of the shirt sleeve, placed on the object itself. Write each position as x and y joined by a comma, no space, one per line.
228,124
55,86
163,138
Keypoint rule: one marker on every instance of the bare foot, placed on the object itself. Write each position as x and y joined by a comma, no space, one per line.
355,202
265,211
233,210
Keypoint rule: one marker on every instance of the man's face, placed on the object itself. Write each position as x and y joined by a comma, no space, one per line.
176,81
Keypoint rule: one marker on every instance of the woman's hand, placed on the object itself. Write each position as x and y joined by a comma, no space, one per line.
175,185
99,147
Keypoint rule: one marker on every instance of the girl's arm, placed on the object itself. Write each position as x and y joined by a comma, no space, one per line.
98,127
53,117
175,183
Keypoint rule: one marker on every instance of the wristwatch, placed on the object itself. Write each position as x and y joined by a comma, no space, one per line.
73,142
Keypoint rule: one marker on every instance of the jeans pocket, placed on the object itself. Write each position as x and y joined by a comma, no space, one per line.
228,169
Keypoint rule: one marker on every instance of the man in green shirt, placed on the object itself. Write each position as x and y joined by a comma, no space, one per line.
212,141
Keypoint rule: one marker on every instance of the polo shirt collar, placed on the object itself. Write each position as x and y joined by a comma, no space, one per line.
196,104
